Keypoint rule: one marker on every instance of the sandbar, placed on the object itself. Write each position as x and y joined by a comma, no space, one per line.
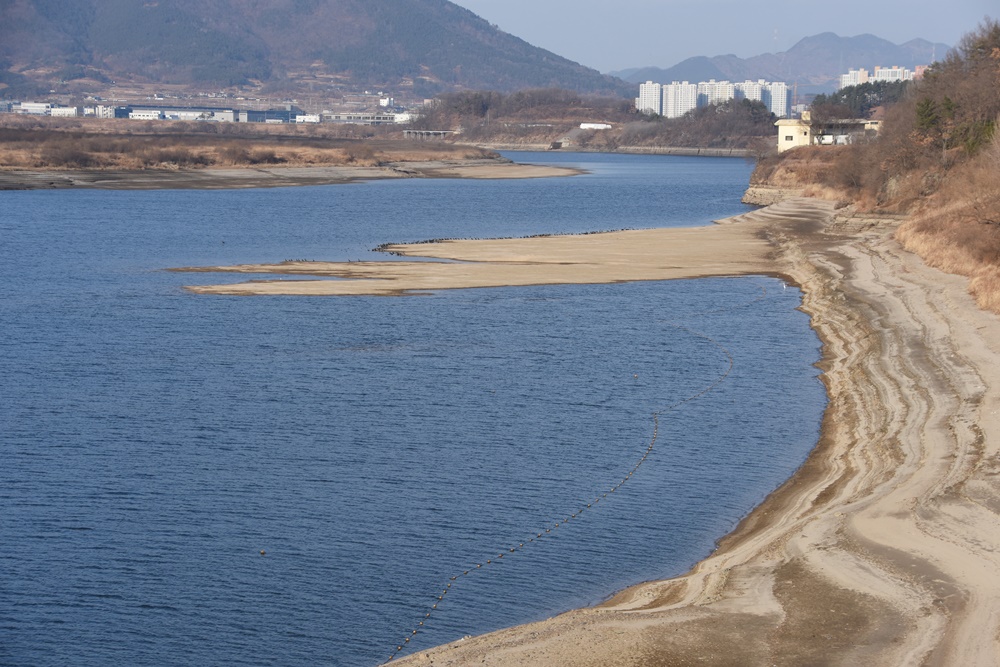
883,549
620,256
266,177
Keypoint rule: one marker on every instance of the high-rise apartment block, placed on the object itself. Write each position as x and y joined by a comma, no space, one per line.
750,90
678,98
715,92
650,98
856,77
776,98
892,74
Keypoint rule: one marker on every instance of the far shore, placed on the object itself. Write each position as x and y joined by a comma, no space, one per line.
106,157
882,550
269,176
683,151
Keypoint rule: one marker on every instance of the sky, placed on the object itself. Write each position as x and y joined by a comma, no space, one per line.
612,35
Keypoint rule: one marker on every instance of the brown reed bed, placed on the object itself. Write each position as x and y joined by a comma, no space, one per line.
27,143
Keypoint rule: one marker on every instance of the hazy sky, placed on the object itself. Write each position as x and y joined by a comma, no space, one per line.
617,34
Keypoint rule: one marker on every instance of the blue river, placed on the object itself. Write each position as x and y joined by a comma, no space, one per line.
193,480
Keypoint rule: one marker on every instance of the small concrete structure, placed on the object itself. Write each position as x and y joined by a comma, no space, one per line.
795,132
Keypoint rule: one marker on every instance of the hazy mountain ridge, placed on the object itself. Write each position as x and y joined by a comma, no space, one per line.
814,62
431,45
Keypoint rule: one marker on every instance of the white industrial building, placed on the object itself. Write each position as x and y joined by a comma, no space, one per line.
64,112
382,118
146,114
176,114
212,114
226,115
34,108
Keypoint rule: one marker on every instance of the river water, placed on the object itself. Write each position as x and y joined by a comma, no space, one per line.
193,480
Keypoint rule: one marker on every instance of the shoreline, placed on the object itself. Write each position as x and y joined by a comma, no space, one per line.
249,176
682,151
268,177
883,548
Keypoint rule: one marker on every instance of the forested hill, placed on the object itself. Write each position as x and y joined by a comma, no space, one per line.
433,45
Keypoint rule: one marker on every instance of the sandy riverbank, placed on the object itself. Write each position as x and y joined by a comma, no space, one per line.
263,177
653,254
884,549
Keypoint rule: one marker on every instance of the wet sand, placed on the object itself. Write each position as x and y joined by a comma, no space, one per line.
883,549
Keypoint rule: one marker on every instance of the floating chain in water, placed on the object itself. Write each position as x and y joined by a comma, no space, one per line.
546,532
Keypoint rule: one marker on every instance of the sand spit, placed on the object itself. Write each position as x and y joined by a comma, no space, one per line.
884,549
264,177
655,254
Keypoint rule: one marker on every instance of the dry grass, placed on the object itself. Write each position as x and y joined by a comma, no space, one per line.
958,229
985,287
823,192
27,143
954,214
954,248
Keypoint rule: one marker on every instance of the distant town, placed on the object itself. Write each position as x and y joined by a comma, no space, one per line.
365,110
670,100
673,100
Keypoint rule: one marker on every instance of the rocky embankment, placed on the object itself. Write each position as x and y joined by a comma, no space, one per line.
766,195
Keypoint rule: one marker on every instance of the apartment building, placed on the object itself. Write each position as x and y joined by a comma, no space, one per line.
679,98
650,98
673,100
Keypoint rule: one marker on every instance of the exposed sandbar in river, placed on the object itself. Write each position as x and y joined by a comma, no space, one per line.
883,549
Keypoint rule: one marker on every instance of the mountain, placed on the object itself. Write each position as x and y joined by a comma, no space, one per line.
699,68
814,62
425,45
